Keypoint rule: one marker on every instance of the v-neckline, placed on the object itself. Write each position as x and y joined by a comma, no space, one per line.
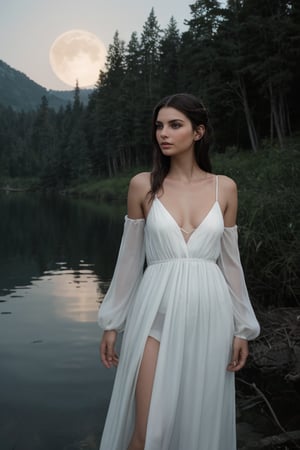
178,227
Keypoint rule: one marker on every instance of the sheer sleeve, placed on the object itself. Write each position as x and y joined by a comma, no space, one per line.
127,274
246,325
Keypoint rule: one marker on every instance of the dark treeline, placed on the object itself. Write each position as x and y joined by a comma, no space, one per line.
242,60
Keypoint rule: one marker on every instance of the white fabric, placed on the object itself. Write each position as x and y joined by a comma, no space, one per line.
184,299
126,278
245,323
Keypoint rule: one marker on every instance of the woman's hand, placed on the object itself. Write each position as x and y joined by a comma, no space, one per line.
108,354
239,354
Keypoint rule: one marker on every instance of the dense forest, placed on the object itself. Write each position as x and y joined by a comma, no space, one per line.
242,60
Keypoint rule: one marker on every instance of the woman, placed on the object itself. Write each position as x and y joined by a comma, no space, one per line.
187,318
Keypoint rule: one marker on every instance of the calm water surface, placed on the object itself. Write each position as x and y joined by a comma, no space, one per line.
56,260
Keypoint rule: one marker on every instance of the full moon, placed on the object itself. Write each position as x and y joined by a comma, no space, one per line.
77,55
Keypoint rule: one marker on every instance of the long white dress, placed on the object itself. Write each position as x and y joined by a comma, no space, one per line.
192,297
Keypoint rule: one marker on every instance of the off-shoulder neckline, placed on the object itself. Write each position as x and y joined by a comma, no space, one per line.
141,219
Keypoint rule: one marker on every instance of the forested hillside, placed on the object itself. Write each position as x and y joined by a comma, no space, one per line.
21,93
242,60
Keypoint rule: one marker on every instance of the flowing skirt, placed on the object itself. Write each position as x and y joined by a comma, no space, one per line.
185,303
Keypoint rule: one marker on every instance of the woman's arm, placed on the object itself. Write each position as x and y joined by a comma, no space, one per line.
246,325
127,274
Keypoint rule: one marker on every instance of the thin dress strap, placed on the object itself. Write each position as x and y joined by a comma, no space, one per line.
217,188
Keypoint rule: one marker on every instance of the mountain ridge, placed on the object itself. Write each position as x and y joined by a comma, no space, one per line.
19,92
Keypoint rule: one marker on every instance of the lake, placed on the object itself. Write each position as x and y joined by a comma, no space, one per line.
56,259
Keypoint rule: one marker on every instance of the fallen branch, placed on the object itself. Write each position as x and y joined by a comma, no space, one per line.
284,438
262,395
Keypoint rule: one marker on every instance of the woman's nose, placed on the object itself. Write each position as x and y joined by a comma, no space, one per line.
163,132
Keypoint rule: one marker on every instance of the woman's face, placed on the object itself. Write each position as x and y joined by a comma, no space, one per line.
174,132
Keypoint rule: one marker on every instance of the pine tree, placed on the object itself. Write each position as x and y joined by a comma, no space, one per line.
109,110
133,96
43,137
150,57
170,44
199,54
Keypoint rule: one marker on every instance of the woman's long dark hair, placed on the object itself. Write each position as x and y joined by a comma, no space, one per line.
194,110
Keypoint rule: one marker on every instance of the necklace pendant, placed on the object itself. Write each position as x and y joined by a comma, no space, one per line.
187,232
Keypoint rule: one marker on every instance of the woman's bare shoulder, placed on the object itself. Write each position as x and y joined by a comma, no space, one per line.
139,188
227,185
140,183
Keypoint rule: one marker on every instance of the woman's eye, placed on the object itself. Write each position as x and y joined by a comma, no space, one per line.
176,125
159,126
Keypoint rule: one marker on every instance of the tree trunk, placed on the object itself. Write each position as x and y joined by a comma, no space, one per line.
249,120
271,126
275,115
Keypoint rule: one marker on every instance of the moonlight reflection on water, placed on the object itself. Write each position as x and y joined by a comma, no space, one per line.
53,273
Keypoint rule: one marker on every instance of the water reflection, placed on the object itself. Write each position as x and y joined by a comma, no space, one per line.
56,259
77,288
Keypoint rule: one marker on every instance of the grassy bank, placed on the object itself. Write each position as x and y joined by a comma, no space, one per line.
107,189
269,220
18,184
